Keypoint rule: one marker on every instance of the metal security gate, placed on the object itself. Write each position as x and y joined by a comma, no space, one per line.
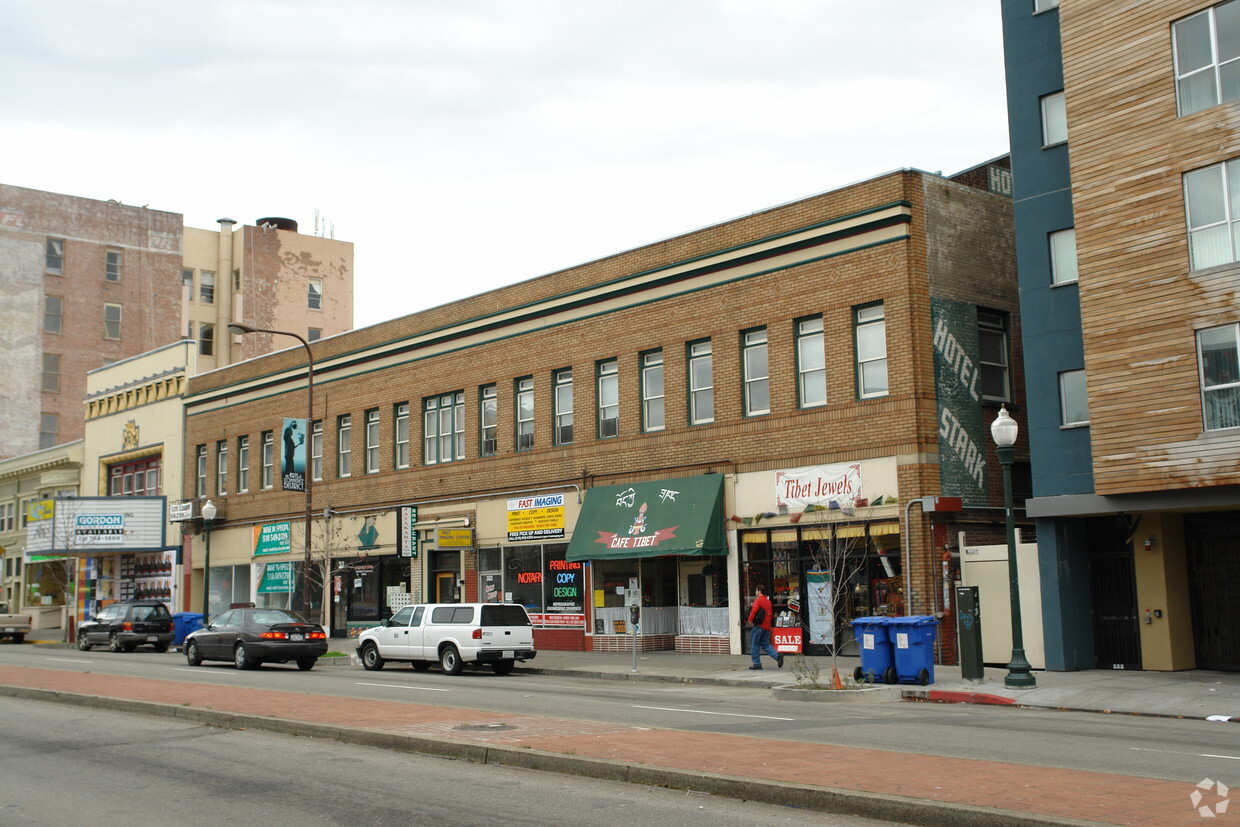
1113,587
1214,583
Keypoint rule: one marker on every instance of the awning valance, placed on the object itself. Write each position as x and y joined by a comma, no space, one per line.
650,519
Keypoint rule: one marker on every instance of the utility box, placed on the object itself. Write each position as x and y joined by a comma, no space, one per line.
969,633
987,568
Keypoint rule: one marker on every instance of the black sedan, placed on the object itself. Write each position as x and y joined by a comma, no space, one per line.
251,637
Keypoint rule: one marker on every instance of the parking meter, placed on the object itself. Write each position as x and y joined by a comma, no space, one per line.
635,614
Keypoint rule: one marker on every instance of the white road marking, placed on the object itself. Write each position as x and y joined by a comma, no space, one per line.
704,712
403,686
1195,754
70,660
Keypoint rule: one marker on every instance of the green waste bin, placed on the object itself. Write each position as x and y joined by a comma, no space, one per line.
877,662
912,647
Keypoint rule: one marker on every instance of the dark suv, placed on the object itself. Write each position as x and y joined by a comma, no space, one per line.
126,626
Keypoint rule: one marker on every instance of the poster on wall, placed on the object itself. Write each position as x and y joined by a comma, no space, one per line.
273,538
818,608
536,518
293,455
99,525
818,485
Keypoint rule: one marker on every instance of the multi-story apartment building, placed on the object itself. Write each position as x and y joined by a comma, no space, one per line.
87,283
1124,150
742,405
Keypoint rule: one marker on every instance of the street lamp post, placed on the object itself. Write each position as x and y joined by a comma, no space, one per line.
208,520
237,327
1004,430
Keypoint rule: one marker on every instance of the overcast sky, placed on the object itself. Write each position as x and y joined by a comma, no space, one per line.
466,144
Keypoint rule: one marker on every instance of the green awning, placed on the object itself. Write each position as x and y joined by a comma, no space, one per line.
650,519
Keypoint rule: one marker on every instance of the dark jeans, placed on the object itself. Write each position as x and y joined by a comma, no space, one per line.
759,642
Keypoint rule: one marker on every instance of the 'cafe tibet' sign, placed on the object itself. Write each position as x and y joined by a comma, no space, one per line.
818,485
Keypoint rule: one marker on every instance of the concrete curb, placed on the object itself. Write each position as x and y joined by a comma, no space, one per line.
822,799
865,695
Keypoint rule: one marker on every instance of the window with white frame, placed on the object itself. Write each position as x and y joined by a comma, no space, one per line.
1207,57
112,321
114,261
608,399
562,390
314,294
1054,119
811,363
316,450
23,511
187,282
488,420
870,331
443,428
269,458
54,257
1218,358
53,314
525,413
51,372
400,434
757,377
344,445
652,391
1063,256
1213,214
243,464
135,478
1040,6
49,430
701,383
1073,399
206,286
8,517
372,441
200,471
221,467
992,345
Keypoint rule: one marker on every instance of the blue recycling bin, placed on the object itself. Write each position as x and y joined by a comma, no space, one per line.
183,623
874,643
912,645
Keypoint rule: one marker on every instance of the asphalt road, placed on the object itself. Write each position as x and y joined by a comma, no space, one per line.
68,765
1182,750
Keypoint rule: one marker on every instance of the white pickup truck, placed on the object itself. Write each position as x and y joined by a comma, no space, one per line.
14,627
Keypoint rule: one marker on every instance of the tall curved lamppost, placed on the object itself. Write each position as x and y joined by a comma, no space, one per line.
242,329
1004,430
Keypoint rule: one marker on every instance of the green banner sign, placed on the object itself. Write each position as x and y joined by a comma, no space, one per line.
277,577
274,538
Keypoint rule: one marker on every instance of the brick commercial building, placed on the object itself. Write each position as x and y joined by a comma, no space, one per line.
761,402
1124,158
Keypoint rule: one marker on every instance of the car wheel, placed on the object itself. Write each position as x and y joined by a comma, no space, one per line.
161,647
450,660
192,656
371,659
503,667
241,658
114,644
306,664
129,647
19,638
83,643
420,665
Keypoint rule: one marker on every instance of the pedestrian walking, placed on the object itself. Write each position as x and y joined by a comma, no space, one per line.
761,616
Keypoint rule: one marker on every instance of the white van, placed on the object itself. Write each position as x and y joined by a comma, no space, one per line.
452,634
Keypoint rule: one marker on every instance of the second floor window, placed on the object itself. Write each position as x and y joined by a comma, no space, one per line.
200,471
344,445
401,435
316,450
443,428
1213,214
701,383
992,343
871,342
1207,57
372,441
269,458
488,420
112,321
608,399
221,468
1054,120
1063,256
525,414
243,464
757,373
113,262
652,391
206,286
811,363
1218,357
563,390
1073,400
136,478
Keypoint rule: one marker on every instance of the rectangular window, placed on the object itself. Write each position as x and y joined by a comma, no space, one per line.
53,314
112,321
200,471
51,372
811,363
113,262
372,441
243,464
206,286
221,467
871,341
1073,401
525,413
8,516
608,399
1054,120
189,330
1063,256
401,434
757,372
652,391
206,339
443,428
49,430
1044,5
316,450
54,258
313,334
562,388
488,419
1207,57
344,445
1210,200
1218,359
992,345
314,294
269,458
701,383
187,281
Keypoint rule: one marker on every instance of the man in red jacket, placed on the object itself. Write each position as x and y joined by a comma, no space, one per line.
761,616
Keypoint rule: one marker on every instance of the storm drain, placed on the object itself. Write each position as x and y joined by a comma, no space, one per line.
484,727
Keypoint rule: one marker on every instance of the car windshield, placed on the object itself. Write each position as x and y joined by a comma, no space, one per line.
504,616
270,617
150,612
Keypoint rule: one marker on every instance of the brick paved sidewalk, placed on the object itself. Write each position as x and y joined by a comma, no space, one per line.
1056,795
